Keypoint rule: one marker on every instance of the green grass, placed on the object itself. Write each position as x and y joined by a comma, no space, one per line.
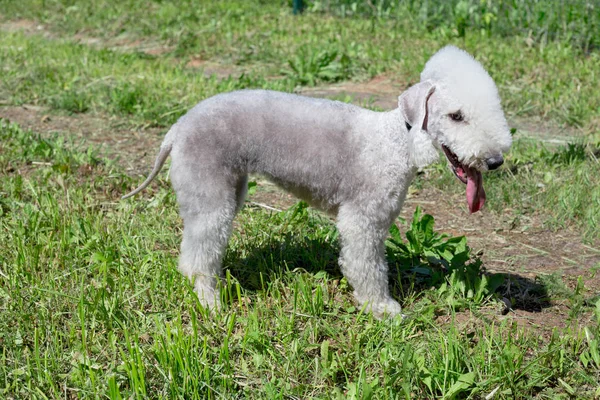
573,21
154,91
536,76
77,79
93,306
562,182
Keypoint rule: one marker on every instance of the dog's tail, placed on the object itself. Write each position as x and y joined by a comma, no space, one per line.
165,150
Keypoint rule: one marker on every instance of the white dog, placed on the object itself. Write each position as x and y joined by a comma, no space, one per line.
353,163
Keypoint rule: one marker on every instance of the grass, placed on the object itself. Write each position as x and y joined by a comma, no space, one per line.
562,180
573,21
94,305
130,85
536,76
156,91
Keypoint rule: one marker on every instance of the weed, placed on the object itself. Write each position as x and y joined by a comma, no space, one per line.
309,67
441,261
427,246
569,154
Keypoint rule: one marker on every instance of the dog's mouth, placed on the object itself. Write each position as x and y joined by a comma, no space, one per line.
469,176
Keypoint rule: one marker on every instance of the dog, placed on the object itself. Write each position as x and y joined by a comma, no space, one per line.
353,163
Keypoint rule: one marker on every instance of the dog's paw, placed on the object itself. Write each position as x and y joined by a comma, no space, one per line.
208,296
388,308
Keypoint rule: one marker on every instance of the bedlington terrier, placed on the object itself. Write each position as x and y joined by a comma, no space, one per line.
353,163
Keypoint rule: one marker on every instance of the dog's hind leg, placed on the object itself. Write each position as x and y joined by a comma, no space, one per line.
362,260
208,204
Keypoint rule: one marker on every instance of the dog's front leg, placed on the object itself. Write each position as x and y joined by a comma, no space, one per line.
362,260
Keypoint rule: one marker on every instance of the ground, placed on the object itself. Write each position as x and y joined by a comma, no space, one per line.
517,245
546,315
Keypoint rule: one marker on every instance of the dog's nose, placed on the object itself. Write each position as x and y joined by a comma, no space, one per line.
494,162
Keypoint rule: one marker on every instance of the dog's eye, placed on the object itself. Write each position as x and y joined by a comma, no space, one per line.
457,116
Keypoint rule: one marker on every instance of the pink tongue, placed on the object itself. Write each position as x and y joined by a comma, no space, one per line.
475,192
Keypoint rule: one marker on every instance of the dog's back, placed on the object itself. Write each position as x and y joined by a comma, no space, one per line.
303,144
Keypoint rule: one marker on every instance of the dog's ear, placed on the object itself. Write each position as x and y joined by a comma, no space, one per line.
413,104
414,107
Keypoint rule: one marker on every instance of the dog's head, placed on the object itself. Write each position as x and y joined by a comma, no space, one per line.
456,108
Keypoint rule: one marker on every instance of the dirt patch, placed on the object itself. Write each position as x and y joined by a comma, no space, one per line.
507,243
524,250
22,25
124,43
131,146
381,92
210,68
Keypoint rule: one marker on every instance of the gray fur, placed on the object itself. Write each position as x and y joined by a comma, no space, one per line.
353,163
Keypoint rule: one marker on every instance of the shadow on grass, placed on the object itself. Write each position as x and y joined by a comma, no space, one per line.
524,293
258,265
255,267
423,262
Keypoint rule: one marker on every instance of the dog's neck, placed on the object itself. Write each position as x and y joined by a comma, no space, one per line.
419,143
